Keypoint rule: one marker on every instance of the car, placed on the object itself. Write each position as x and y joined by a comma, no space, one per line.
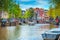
53,34
12,22
3,22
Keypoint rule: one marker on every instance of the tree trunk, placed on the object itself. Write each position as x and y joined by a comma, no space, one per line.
0,17
0,14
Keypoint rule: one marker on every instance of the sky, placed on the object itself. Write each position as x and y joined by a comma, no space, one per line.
25,4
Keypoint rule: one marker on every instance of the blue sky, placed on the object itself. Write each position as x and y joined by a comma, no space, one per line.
25,4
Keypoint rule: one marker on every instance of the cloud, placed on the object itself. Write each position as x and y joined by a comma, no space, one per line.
25,4
33,6
42,2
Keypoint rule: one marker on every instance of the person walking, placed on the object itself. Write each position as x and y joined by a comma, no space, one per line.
57,22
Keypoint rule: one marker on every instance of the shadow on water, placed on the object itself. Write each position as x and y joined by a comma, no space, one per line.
3,33
17,32
52,26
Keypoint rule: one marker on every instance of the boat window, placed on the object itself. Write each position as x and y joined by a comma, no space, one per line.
56,31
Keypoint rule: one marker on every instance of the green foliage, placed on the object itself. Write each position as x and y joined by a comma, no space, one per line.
11,7
56,5
4,4
52,13
29,13
54,9
15,11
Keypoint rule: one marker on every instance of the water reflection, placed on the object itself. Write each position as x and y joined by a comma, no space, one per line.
3,33
23,32
14,33
9,33
17,32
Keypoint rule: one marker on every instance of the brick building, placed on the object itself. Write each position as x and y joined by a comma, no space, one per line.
39,14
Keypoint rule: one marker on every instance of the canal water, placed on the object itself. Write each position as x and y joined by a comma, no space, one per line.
23,32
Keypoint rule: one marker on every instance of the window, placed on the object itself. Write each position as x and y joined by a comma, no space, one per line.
55,31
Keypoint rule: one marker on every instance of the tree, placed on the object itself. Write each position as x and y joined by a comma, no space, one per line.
56,6
29,13
51,12
11,7
4,5
15,11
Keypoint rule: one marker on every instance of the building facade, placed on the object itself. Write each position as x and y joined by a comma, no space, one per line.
41,14
4,14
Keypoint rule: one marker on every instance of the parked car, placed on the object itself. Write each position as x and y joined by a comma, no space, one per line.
3,22
53,34
12,22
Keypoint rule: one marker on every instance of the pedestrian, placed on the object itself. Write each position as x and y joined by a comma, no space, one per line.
57,21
